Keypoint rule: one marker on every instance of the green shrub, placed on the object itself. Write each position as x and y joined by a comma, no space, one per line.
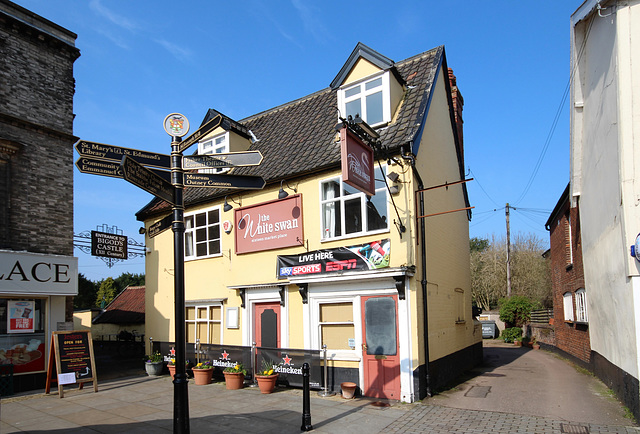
511,334
515,311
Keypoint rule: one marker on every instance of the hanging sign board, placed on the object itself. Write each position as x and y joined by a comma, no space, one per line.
357,163
74,360
108,245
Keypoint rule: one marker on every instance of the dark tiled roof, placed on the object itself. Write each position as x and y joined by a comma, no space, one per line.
299,138
126,308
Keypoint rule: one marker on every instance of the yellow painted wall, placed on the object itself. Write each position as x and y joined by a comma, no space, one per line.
362,69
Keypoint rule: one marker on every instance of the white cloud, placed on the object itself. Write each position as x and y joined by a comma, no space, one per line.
116,19
180,52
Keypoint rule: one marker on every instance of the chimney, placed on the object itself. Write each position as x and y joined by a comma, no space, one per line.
458,102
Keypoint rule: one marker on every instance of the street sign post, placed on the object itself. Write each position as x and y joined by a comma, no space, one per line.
212,180
199,133
229,159
160,226
144,178
115,153
94,166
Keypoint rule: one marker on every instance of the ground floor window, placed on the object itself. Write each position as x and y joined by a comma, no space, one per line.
336,327
204,323
567,302
581,306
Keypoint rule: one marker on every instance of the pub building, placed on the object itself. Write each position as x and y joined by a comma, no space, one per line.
359,242
38,272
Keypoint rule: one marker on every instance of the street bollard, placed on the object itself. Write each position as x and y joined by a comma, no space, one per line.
306,400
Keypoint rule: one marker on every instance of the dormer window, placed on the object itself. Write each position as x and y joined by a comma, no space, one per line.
369,98
216,145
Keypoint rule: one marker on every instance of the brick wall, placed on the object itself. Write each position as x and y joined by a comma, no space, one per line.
568,276
36,118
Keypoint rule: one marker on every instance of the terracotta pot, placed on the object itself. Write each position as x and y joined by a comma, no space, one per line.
267,383
536,346
234,380
172,370
202,376
348,389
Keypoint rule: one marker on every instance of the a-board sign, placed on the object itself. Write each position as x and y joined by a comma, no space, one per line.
74,360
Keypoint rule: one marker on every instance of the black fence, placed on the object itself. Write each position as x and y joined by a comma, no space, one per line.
287,362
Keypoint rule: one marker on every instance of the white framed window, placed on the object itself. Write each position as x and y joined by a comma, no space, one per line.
370,98
216,145
581,306
347,212
567,303
202,234
204,323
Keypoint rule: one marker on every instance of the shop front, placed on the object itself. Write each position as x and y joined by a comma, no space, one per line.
33,292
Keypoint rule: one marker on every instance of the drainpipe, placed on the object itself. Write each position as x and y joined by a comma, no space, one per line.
423,282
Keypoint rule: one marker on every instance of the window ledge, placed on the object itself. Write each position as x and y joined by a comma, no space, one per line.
461,322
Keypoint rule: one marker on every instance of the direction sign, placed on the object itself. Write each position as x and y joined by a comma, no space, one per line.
211,180
115,153
229,159
200,132
144,178
110,168
160,226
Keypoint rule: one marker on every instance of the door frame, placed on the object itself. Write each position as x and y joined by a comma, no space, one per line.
255,321
267,294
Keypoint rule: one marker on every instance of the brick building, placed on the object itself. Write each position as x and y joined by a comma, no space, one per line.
570,315
38,273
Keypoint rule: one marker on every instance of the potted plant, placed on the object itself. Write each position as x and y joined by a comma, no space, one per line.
267,377
234,376
154,364
534,343
203,372
171,364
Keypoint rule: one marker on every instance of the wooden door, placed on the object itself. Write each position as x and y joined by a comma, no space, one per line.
266,331
380,350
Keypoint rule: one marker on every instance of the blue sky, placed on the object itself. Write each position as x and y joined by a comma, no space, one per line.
141,60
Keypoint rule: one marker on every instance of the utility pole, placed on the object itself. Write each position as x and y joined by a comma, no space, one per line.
508,252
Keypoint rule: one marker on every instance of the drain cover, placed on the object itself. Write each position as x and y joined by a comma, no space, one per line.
380,404
574,429
478,391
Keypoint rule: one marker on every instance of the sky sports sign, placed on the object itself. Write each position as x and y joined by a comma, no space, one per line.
368,256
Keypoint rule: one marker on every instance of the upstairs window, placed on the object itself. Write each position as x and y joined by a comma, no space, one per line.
217,145
368,98
348,212
202,234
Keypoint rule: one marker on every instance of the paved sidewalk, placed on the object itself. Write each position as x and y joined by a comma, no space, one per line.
519,394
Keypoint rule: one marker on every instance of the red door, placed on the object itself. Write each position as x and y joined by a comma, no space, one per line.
380,351
267,324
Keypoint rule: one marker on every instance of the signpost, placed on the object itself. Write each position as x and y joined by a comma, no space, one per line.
144,178
115,153
213,180
230,159
101,159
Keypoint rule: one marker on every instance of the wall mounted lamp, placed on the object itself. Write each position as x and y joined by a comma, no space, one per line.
282,194
227,207
393,176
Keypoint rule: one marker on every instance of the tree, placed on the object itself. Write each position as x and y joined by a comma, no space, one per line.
515,311
87,293
530,272
128,279
106,292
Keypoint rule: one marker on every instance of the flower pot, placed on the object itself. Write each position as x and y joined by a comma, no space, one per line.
267,383
535,346
153,368
172,370
348,389
517,343
234,380
202,376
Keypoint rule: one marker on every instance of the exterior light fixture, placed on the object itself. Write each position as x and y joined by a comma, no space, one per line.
282,194
227,207
393,176
365,127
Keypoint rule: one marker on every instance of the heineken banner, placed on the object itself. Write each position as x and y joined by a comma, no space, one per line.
360,257
288,364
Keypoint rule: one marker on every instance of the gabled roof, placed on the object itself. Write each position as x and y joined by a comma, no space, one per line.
560,206
126,308
299,138
362,51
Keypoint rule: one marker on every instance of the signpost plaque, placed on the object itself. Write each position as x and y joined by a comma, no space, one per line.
116,153
147,180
